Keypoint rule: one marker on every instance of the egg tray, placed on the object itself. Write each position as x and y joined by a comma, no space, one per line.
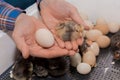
106,69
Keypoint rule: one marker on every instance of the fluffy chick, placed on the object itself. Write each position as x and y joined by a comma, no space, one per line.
69,31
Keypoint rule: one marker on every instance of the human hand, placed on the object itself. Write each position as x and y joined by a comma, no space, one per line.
54,12
24,37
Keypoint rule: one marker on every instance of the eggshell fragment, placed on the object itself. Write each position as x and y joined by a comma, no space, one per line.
93,34
89,58
75,59
94,47
83,68
44,38
103,41
103,28
113,27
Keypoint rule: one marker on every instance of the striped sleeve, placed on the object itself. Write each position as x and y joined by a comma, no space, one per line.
8,15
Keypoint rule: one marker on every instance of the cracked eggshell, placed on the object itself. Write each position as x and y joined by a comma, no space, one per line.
75,59
103,41
94,47
44,38
89,58
83,68
93,34
113,27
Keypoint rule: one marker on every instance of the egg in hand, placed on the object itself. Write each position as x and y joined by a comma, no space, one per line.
44,38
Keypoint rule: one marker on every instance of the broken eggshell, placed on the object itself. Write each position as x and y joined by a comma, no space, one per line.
94,47
44,38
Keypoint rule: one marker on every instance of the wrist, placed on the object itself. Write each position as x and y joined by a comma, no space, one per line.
20,18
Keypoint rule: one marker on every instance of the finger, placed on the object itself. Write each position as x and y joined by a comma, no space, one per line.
75,15
71,52
68,45
74,45
59,41
22,46
80,41
48,53
48,19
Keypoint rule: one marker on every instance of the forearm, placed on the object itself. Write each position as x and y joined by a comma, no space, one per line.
8,15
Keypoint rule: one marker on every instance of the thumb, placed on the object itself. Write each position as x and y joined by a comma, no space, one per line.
75,15
22,46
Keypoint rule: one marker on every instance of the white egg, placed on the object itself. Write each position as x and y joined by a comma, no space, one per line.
89,23
94,47
93,34
44,38
75,59
113,27
83,68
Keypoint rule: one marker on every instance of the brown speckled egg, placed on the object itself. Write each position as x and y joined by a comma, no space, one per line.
103,28
103,41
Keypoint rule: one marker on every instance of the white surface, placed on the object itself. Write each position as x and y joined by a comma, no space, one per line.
109,9
7,49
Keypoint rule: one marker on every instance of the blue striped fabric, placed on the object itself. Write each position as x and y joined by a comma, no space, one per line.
8,13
